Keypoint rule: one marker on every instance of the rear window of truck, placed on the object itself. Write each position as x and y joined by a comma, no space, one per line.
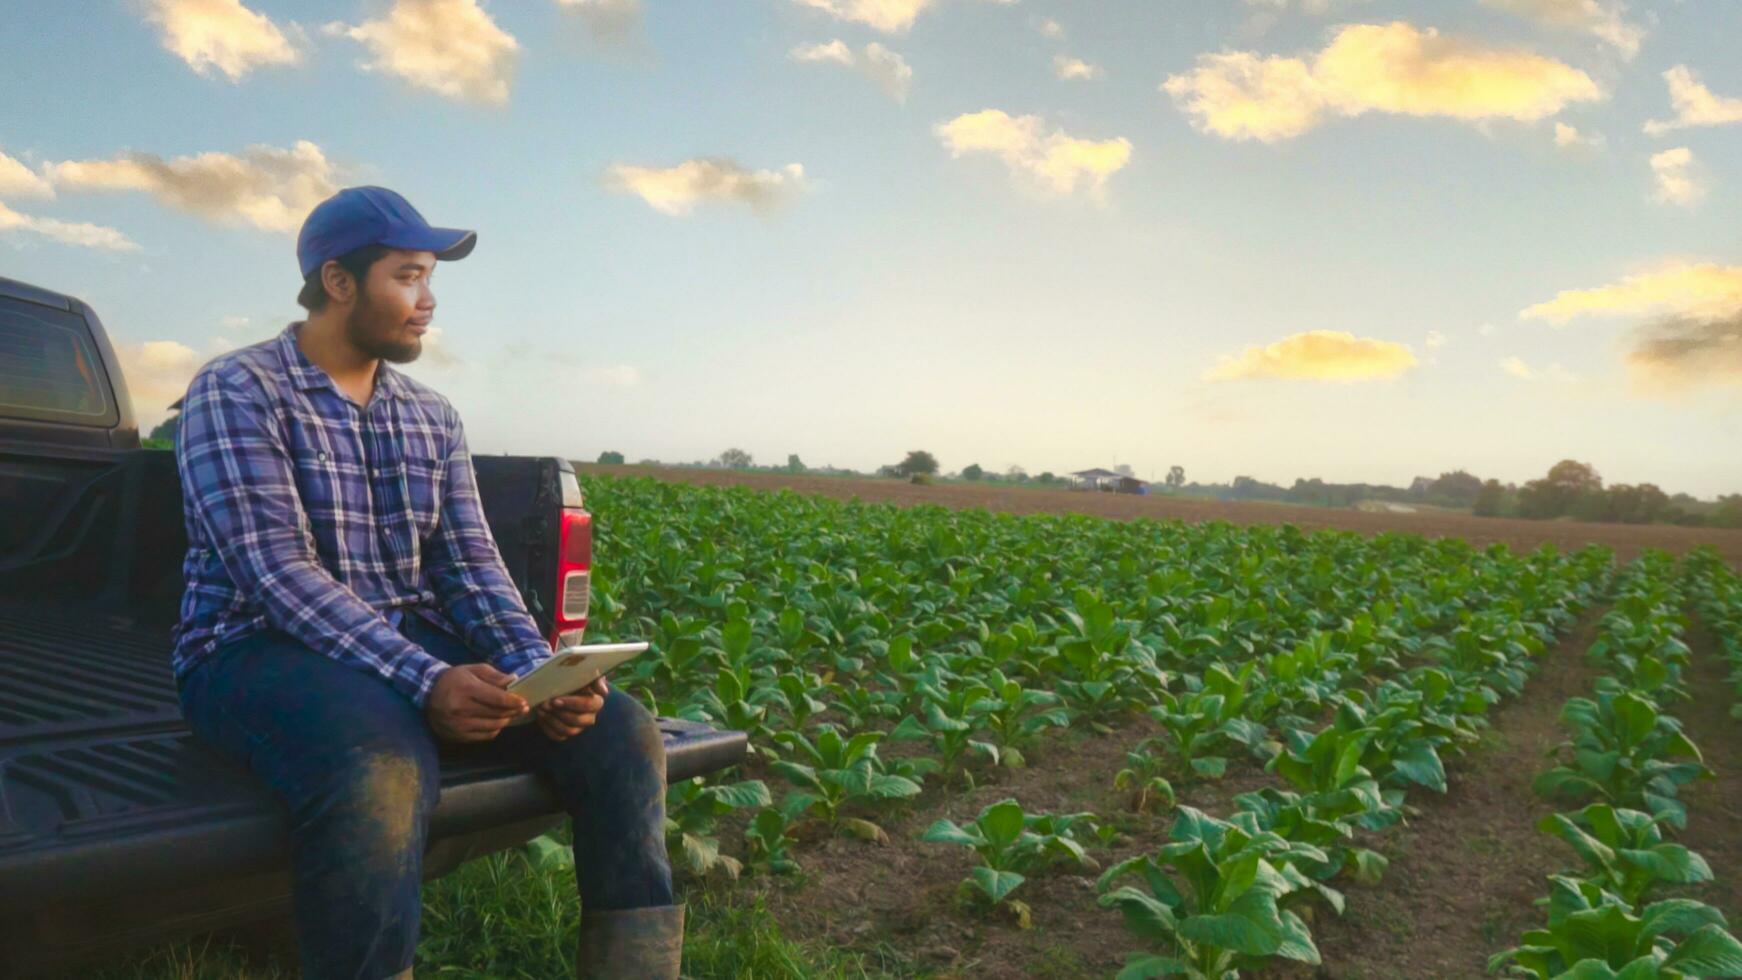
49,369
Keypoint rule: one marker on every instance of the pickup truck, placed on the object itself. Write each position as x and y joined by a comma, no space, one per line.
119,829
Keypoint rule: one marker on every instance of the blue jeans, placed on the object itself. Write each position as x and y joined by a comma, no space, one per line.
358,768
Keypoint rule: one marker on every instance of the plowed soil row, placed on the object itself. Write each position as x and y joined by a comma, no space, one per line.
1627,540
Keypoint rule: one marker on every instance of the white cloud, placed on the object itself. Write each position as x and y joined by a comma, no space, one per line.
1487,330
235,322
17,180
1679,178
451,47
157,373
1074,69
1604,21
66,232
609,21
1392,68
876,62
1695,104
888,16
1568,137
1055,161
613,376
1436,340
267,187
1317,355
1516,367
836,51
1554,373
677,190
1699,290
1051,28
220,34
1317,8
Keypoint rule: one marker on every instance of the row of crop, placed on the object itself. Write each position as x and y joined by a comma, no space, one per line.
1224,895
1627,758
1717,597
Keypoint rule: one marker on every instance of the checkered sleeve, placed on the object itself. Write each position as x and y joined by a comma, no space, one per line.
237,471
466,572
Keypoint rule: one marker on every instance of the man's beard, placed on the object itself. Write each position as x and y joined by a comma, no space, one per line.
363,324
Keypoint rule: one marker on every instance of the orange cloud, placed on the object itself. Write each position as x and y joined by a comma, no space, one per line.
1318,355
1392,68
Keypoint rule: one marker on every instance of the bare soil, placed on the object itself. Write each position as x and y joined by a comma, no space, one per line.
1627,539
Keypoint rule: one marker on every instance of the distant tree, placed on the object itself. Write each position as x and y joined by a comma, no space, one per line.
1456,485
166,429
1728,513
1490,499
1568,489
794,464
1176,476
917,461
972,471
1046,478
1640,504
1245,486
611,457
1016,474
734,459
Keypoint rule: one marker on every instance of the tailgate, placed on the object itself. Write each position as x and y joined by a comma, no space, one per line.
103,788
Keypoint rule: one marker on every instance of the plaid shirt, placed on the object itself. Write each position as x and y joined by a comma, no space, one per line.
328,521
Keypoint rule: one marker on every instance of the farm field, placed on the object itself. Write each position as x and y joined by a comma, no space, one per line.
1053,745
1627,540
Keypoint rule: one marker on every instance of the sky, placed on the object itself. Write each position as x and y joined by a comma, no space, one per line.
1359,240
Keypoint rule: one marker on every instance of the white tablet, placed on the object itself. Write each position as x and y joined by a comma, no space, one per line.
568,670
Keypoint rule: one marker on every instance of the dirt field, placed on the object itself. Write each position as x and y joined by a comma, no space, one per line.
1627,540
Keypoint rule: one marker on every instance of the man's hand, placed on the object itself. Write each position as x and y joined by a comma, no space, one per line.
570,714
468,703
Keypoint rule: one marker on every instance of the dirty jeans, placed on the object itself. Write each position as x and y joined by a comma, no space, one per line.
357,767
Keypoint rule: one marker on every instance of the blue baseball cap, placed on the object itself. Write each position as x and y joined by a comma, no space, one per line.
359,216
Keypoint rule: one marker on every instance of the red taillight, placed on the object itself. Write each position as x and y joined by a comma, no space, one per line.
573,565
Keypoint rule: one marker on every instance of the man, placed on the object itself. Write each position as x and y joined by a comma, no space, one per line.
346,609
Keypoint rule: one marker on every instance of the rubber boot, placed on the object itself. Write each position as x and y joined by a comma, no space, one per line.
631,944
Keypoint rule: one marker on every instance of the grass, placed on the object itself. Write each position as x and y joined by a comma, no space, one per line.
499,917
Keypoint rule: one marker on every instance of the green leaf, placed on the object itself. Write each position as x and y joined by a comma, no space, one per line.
1421,764
1211,766
1369,866
996,885
1252,925
753,792
1144,966
546,853
1708,952
1148,918
1002,822
947,832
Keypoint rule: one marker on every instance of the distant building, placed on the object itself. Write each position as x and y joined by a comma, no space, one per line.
1091,479
1106,480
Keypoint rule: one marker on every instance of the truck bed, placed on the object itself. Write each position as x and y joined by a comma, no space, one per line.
103,789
